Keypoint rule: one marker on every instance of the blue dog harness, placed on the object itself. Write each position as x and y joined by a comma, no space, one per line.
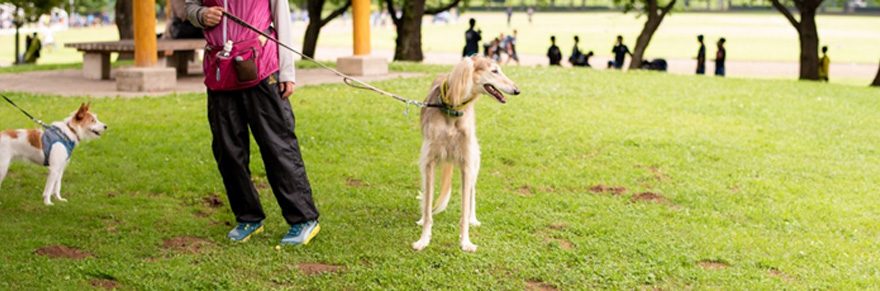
54,135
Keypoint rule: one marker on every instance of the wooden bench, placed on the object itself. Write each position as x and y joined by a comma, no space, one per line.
174,53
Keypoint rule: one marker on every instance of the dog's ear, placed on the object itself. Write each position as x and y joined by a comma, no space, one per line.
461,81
82,111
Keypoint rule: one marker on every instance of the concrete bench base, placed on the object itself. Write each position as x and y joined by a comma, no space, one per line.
146,79
362,65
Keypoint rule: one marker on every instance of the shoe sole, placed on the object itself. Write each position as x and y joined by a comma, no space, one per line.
245,239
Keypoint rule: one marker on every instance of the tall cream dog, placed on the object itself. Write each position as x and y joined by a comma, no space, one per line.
29,144
449,139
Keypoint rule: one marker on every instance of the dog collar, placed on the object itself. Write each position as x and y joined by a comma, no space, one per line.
448,108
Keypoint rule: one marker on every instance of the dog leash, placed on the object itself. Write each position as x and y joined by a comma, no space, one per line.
348,80
40,122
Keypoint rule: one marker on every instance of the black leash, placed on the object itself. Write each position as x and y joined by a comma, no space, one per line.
40,122
25,112
348,80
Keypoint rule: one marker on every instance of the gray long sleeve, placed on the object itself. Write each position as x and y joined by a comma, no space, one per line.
281,13
286,69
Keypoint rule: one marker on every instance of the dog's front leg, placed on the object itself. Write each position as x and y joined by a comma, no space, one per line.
467,178
427,169
51,182
473,193
58,186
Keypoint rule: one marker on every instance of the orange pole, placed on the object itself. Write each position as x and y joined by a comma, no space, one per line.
361,20
144,33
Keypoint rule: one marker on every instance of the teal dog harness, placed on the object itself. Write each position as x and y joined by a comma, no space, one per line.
54,135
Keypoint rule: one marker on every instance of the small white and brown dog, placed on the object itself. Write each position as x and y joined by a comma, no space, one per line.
449,139
52,148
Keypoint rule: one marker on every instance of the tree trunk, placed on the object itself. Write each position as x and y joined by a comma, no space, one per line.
876,82
310,40
125,24
409,32
809,45
16,46
644,39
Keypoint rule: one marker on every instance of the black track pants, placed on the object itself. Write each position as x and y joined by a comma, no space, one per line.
230,113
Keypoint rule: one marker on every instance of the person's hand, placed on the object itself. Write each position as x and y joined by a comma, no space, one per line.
286,89
211,17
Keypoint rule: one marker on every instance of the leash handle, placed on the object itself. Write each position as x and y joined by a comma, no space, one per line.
348,80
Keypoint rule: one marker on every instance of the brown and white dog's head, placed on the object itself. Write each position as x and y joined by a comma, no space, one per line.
479,75
84,123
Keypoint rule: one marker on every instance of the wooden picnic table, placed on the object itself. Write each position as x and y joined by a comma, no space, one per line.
174,53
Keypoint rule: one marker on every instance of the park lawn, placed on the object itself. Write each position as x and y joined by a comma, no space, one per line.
772,183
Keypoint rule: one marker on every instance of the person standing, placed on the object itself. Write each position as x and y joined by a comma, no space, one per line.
509,12
511,49
701,57
471,40
620,51
824,63
720,56
32,54
249,80
553,53
576,55
530,12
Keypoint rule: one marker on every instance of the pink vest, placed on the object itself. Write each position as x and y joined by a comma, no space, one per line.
248,62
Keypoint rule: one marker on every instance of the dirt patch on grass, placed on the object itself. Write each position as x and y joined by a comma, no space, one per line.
213,200
111,194
525,190
558,225
185,244
310,269
59,251
354,182
650,197
547,189
106,284
601,188
713,265
563,243
538,286
779,274
260,182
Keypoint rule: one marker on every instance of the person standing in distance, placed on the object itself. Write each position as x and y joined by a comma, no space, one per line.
701,57
249,80
472,40
720,56
620,51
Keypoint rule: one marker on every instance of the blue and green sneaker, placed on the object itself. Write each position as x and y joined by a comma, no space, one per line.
301,233
244,230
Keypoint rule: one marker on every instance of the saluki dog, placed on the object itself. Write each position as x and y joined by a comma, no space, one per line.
449,139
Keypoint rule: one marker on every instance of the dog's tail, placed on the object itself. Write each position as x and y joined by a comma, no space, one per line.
445,189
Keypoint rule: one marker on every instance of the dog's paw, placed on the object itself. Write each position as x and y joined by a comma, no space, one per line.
48,203
474,222
65,200
421,244
468,247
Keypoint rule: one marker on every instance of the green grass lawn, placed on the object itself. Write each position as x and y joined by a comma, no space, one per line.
751,36
772,181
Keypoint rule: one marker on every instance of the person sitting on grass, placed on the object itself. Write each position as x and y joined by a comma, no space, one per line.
510,48
553,53
824,62
33,50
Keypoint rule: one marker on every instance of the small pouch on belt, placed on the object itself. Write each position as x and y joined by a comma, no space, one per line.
246,69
